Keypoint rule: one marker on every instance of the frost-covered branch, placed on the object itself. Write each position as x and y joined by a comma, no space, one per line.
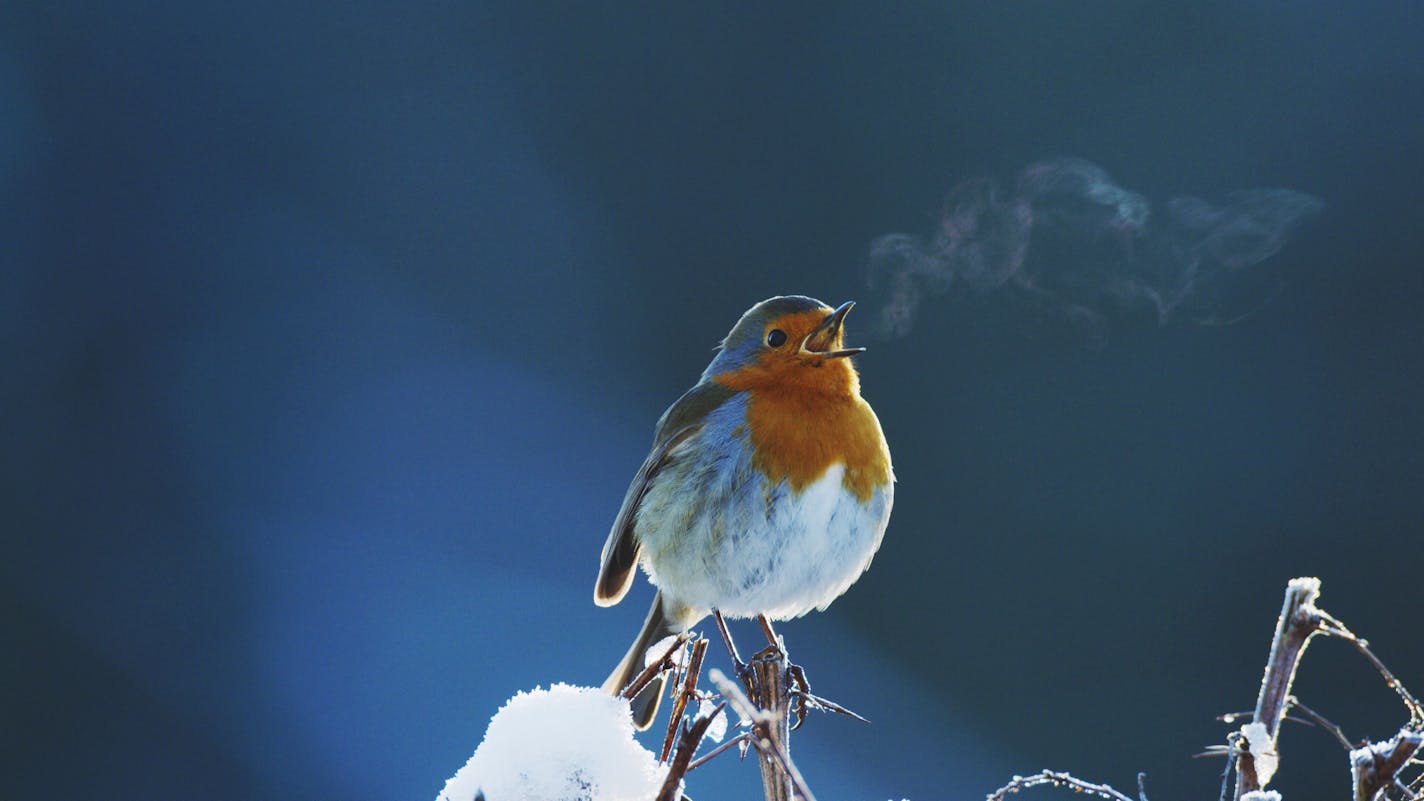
1057,778
689,690
768,729
577,743
1299,621
687,744
1377,769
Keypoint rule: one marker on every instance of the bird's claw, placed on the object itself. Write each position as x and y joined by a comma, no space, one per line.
800,694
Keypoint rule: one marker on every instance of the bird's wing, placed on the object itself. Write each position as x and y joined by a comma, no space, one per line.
679,423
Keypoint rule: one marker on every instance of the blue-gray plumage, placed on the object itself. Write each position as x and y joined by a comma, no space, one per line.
767,490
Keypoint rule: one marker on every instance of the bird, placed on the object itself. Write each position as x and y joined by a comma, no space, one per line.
767,491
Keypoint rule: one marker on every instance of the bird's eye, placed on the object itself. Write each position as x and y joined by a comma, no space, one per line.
776,338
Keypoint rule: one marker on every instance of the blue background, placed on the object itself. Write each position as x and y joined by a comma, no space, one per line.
331,335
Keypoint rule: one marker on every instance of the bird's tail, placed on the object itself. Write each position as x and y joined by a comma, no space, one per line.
645,706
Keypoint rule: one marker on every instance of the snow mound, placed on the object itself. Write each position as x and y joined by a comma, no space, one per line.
565,743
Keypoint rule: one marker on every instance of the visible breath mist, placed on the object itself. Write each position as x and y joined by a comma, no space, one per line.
1069,239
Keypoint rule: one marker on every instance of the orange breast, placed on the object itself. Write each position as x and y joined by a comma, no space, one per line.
799,434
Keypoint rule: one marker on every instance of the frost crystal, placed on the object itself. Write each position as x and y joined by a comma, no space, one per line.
561,744
1263,752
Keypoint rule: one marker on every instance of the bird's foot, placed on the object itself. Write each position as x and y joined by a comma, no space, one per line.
798,688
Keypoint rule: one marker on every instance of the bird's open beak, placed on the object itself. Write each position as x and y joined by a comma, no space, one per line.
827,335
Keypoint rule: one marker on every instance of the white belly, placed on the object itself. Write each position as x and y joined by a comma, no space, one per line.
746,549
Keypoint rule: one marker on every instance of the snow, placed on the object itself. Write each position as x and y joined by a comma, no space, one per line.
656,652
565,743
1261,795
1263,752
717,729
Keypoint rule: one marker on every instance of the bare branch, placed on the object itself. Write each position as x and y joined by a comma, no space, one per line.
731,743
772,688
654,668
1062,779
817,702
1298,623
1251,750
1232,753
1335,628
1322,721
689,689
686,747
766,737
1375,768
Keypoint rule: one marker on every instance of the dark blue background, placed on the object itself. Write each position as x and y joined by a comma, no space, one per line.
332,334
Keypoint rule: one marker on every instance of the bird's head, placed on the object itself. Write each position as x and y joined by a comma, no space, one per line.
787,341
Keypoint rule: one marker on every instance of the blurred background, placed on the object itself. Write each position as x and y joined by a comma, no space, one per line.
332,334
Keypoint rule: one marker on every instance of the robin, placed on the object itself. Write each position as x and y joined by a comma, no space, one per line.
767,490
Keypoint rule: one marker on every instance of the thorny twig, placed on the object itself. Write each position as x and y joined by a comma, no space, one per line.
778,690
817,702
1232,717
654,668
744,737
1061,779
764,728
1374,768
686,746
1321,721
1229,770
1251,750
764,708
1335,628
689,690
